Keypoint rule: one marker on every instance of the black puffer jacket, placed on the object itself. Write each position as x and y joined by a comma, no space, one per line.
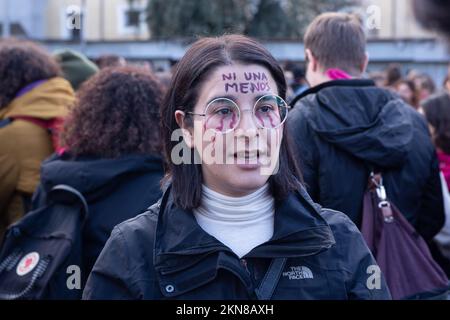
342,128
165,254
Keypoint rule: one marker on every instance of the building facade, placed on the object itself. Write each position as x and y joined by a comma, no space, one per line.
394,20
113,20
102,20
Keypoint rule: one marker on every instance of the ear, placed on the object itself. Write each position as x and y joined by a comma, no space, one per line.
185,129
365,63
311,59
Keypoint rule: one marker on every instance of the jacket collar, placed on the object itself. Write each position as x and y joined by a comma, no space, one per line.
334,83
48,100
299,230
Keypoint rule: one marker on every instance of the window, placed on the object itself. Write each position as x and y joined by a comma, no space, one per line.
131,20
15,29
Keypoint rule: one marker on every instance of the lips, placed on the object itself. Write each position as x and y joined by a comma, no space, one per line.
254,154
248,159
246,155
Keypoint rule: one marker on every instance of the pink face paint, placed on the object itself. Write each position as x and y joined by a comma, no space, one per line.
213,141
229,76
231,86
243,87
271,121
254,87
233,120
264,86
220,127
256,81
261,121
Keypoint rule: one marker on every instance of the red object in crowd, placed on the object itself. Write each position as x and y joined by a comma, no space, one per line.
444,164
53,125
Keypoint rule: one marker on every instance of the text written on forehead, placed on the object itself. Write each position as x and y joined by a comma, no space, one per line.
254,82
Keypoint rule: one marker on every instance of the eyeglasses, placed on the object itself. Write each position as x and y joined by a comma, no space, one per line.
223,115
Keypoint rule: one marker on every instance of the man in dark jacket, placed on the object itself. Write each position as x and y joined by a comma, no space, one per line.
344,126
164,254
115,189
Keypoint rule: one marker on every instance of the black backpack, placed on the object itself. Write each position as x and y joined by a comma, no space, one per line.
41,251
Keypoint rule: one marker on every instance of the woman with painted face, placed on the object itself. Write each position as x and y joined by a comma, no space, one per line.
234,221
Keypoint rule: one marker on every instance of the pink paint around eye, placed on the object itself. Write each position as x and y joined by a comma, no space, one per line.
260,120
271,122
233,121
220,127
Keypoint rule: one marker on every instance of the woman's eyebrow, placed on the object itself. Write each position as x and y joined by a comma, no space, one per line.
233,98
230,97
259,96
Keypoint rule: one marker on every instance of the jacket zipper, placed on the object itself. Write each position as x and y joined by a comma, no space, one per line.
245,265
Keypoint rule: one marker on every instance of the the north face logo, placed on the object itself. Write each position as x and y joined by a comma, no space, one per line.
300,272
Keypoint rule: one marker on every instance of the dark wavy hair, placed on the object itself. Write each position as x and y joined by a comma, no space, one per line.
201,59
21,63
116,113
438,115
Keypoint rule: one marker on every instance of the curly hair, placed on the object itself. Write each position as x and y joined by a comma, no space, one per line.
116,113
21,63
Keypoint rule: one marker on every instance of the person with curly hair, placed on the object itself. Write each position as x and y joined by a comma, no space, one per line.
33,99
111,155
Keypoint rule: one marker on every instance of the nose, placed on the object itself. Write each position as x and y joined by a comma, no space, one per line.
247,126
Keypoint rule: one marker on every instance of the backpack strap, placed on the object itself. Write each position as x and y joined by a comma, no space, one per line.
270,281
66,194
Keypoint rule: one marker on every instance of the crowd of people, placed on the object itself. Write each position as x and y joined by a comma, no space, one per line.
279,212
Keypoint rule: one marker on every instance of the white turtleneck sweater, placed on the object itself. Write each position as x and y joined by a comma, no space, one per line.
241,223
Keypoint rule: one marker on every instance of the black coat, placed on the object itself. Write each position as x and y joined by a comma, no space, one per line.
342,128
115,189
165,254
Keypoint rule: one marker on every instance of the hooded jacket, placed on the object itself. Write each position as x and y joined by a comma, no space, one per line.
24,145
115,190
342,129
164,254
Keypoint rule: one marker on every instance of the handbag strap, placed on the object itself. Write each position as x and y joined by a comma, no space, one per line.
375,185
269,282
